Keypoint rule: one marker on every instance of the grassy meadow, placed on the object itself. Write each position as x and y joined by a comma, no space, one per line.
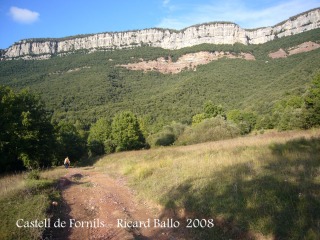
262,186
257,187
27,196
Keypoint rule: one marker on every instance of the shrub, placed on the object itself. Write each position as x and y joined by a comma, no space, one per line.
292,119
211,129
245,120
167,136
312,102
95,148
264,122
109,146
34,174
164,139
198,118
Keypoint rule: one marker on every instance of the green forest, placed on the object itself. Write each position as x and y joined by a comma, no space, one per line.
84,104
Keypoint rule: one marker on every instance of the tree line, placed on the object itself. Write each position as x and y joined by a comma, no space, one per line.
30,139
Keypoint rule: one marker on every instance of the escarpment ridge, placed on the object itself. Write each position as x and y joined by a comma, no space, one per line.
212,33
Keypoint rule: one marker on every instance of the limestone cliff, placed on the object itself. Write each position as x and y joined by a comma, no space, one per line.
214,33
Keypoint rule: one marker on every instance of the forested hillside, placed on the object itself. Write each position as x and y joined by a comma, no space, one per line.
89,86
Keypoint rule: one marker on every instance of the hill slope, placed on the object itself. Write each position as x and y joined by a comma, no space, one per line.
256,187
88,86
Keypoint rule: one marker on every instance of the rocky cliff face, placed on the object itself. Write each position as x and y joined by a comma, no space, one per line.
214,33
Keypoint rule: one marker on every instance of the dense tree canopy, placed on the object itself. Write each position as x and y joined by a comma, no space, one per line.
210,110
90,86
70,143
245,120
99,138
312,101
26,134
126,132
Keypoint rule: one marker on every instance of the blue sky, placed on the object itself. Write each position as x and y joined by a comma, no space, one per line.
21,19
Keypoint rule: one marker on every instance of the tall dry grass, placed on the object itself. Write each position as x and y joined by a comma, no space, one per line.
22,197
267,184
11,183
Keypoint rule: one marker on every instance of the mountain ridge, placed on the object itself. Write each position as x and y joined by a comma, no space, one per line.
212,33
86,87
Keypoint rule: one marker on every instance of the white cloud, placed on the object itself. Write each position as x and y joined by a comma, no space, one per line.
236,11
22,15
165,2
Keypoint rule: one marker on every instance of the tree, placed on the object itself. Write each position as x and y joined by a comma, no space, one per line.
36,132
264,122
99,138
198,118
70,142
289,113
312,103
245,120
292,118
27,135
126,132
211,110
9,117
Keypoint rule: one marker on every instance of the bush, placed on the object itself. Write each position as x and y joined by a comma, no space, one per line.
162,139
264,122
95,148
292,119
198,118
167,136
312,103
109,146
211,129
245,120
34,174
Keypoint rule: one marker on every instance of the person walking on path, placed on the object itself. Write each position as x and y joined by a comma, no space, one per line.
66,162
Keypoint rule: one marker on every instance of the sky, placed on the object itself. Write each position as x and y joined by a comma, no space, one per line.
23,19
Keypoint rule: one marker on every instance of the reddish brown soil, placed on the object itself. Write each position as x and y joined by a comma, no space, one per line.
187,61
278,54
304,47
98,200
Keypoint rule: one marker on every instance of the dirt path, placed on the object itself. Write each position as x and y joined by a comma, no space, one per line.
96,206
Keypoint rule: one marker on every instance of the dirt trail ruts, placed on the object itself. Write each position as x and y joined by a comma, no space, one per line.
93,203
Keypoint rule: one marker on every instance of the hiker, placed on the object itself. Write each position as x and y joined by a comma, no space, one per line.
66,162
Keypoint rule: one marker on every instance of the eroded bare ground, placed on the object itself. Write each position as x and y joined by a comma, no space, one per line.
187,61
304,47
94,204
192,60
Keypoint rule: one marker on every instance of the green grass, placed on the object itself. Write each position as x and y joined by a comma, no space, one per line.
264,185
253,187
26,198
